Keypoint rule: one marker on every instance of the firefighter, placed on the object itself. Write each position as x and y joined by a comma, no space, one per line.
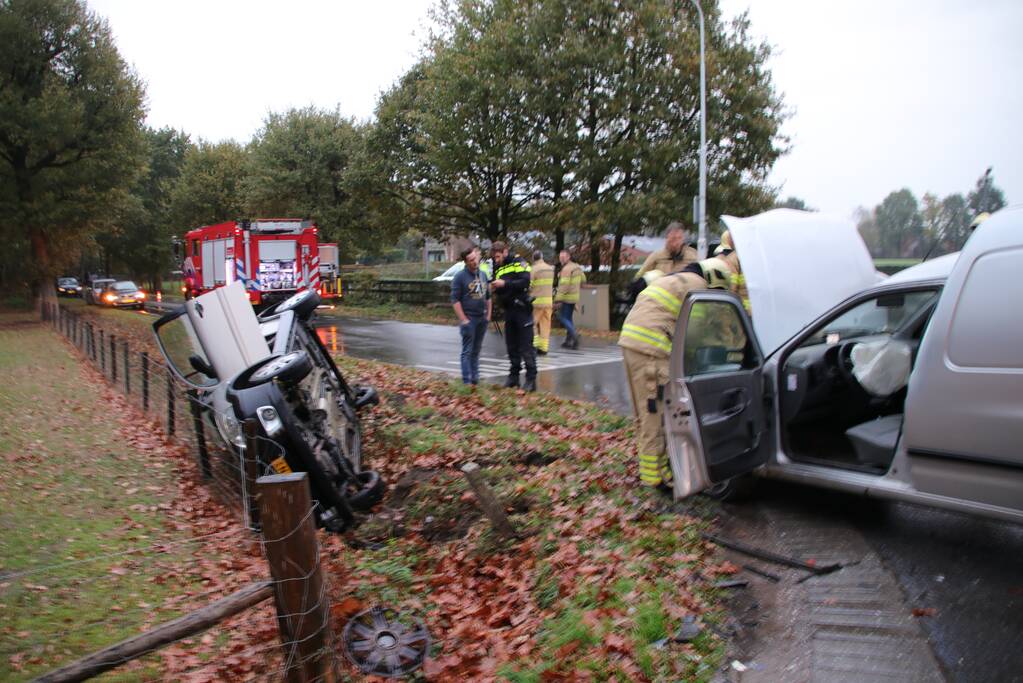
570,281
675,255
511,288
541,289
738,280
646,347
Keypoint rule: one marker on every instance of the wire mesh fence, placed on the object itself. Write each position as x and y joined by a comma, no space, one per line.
180,596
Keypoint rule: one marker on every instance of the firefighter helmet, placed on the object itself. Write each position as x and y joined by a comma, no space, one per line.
981,217
716,272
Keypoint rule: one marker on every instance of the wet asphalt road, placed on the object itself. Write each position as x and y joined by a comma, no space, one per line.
592,373
969,570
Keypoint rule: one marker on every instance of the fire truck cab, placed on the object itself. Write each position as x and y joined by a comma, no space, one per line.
274,258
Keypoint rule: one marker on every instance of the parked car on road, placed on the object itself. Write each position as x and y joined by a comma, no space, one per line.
123,294
94,290
910,389
68,286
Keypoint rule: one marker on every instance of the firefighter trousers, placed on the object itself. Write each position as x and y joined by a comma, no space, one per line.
645,374
542,327
518,338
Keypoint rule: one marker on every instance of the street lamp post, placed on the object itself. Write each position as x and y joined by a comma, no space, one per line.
701,241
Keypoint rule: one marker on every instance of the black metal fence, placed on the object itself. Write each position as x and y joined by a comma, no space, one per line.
148,384
419,292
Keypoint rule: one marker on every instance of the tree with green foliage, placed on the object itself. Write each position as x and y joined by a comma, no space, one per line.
70,121
793,203
142,237
305,164
985,196
210,187
581,114
899,224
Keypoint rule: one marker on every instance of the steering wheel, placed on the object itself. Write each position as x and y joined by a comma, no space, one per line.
844,362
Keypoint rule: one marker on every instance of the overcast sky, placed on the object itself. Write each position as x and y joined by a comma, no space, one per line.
922,94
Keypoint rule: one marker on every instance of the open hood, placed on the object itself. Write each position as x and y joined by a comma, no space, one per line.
797,264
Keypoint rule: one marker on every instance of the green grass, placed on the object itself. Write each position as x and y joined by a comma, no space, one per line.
73,489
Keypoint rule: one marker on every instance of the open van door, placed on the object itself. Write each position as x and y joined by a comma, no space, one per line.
716,421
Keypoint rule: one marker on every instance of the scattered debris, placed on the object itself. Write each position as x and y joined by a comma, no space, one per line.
382,642
762,572
924,611
772,557
689,629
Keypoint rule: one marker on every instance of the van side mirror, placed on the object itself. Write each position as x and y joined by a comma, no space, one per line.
202,366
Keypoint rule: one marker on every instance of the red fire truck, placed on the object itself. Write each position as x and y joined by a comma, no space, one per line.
274,257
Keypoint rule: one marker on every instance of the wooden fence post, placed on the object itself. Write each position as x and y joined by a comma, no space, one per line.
250,472
492,508
102,353
145,381
200,434
292,551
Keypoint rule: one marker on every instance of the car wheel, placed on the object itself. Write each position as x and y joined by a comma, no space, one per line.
734,490
367,491
303,304
289,368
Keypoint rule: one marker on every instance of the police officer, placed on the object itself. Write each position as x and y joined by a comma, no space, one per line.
511,288
646,347
541,289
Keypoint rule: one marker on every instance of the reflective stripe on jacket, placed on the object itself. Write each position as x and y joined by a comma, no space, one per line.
541,283
572,278
651,323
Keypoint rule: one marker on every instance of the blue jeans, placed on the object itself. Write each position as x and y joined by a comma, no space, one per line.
472,340
565,313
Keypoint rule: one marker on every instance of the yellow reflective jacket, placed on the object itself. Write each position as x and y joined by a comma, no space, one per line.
668,263
572,278
651,323
541,284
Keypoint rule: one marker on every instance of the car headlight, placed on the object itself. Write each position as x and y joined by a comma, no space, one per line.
230,429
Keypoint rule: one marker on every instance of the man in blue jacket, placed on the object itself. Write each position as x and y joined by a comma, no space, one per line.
511,288
470,297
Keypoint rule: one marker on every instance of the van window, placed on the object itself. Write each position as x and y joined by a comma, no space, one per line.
987,328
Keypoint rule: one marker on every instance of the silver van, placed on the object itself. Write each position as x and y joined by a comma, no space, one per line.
911,388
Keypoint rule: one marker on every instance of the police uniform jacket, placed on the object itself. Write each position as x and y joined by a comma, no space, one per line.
515,273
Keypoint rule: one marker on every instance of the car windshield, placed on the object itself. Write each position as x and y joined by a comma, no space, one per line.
126,286
882,315
67,282
100,284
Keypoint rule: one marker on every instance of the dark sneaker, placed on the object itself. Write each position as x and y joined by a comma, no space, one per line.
512,382
530,385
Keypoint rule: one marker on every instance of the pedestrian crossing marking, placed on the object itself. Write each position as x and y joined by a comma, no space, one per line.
491,366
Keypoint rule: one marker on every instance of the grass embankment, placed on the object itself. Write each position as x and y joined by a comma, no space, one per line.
88,483
598,582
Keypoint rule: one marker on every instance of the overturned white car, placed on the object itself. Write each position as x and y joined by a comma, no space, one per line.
275,370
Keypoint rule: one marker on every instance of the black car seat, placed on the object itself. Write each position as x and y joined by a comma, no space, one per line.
874,441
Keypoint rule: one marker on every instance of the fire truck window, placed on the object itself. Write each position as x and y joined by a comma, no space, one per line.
194,251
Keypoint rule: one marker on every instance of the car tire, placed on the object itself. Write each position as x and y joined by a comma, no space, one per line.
370,492
288,369
303,304
734,490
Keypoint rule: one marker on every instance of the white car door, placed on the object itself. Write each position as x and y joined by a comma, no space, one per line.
715,416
